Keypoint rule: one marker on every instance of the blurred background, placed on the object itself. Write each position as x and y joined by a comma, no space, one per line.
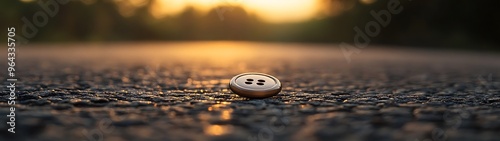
450,24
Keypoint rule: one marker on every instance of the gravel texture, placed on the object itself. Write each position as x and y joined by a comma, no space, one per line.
179,91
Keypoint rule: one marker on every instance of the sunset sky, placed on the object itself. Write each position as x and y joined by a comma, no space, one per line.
274,11
271,11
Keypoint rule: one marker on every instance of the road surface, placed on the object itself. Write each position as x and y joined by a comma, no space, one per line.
179,91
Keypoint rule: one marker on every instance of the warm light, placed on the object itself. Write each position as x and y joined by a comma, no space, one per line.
226,115
218,52
137,3
218,105
161,8
367,1
216,130
277,11
274,11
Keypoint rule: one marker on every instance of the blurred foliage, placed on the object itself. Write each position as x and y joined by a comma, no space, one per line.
423,23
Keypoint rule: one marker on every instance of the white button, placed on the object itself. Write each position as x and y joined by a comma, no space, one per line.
255,85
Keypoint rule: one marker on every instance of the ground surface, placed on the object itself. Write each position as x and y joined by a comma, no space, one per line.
178,91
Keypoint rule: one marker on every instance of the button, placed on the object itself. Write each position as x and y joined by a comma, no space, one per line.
255,85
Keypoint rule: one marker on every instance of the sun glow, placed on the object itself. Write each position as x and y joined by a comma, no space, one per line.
282,10
274,11
216,130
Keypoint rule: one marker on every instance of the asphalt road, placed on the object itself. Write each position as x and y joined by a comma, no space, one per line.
178,91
